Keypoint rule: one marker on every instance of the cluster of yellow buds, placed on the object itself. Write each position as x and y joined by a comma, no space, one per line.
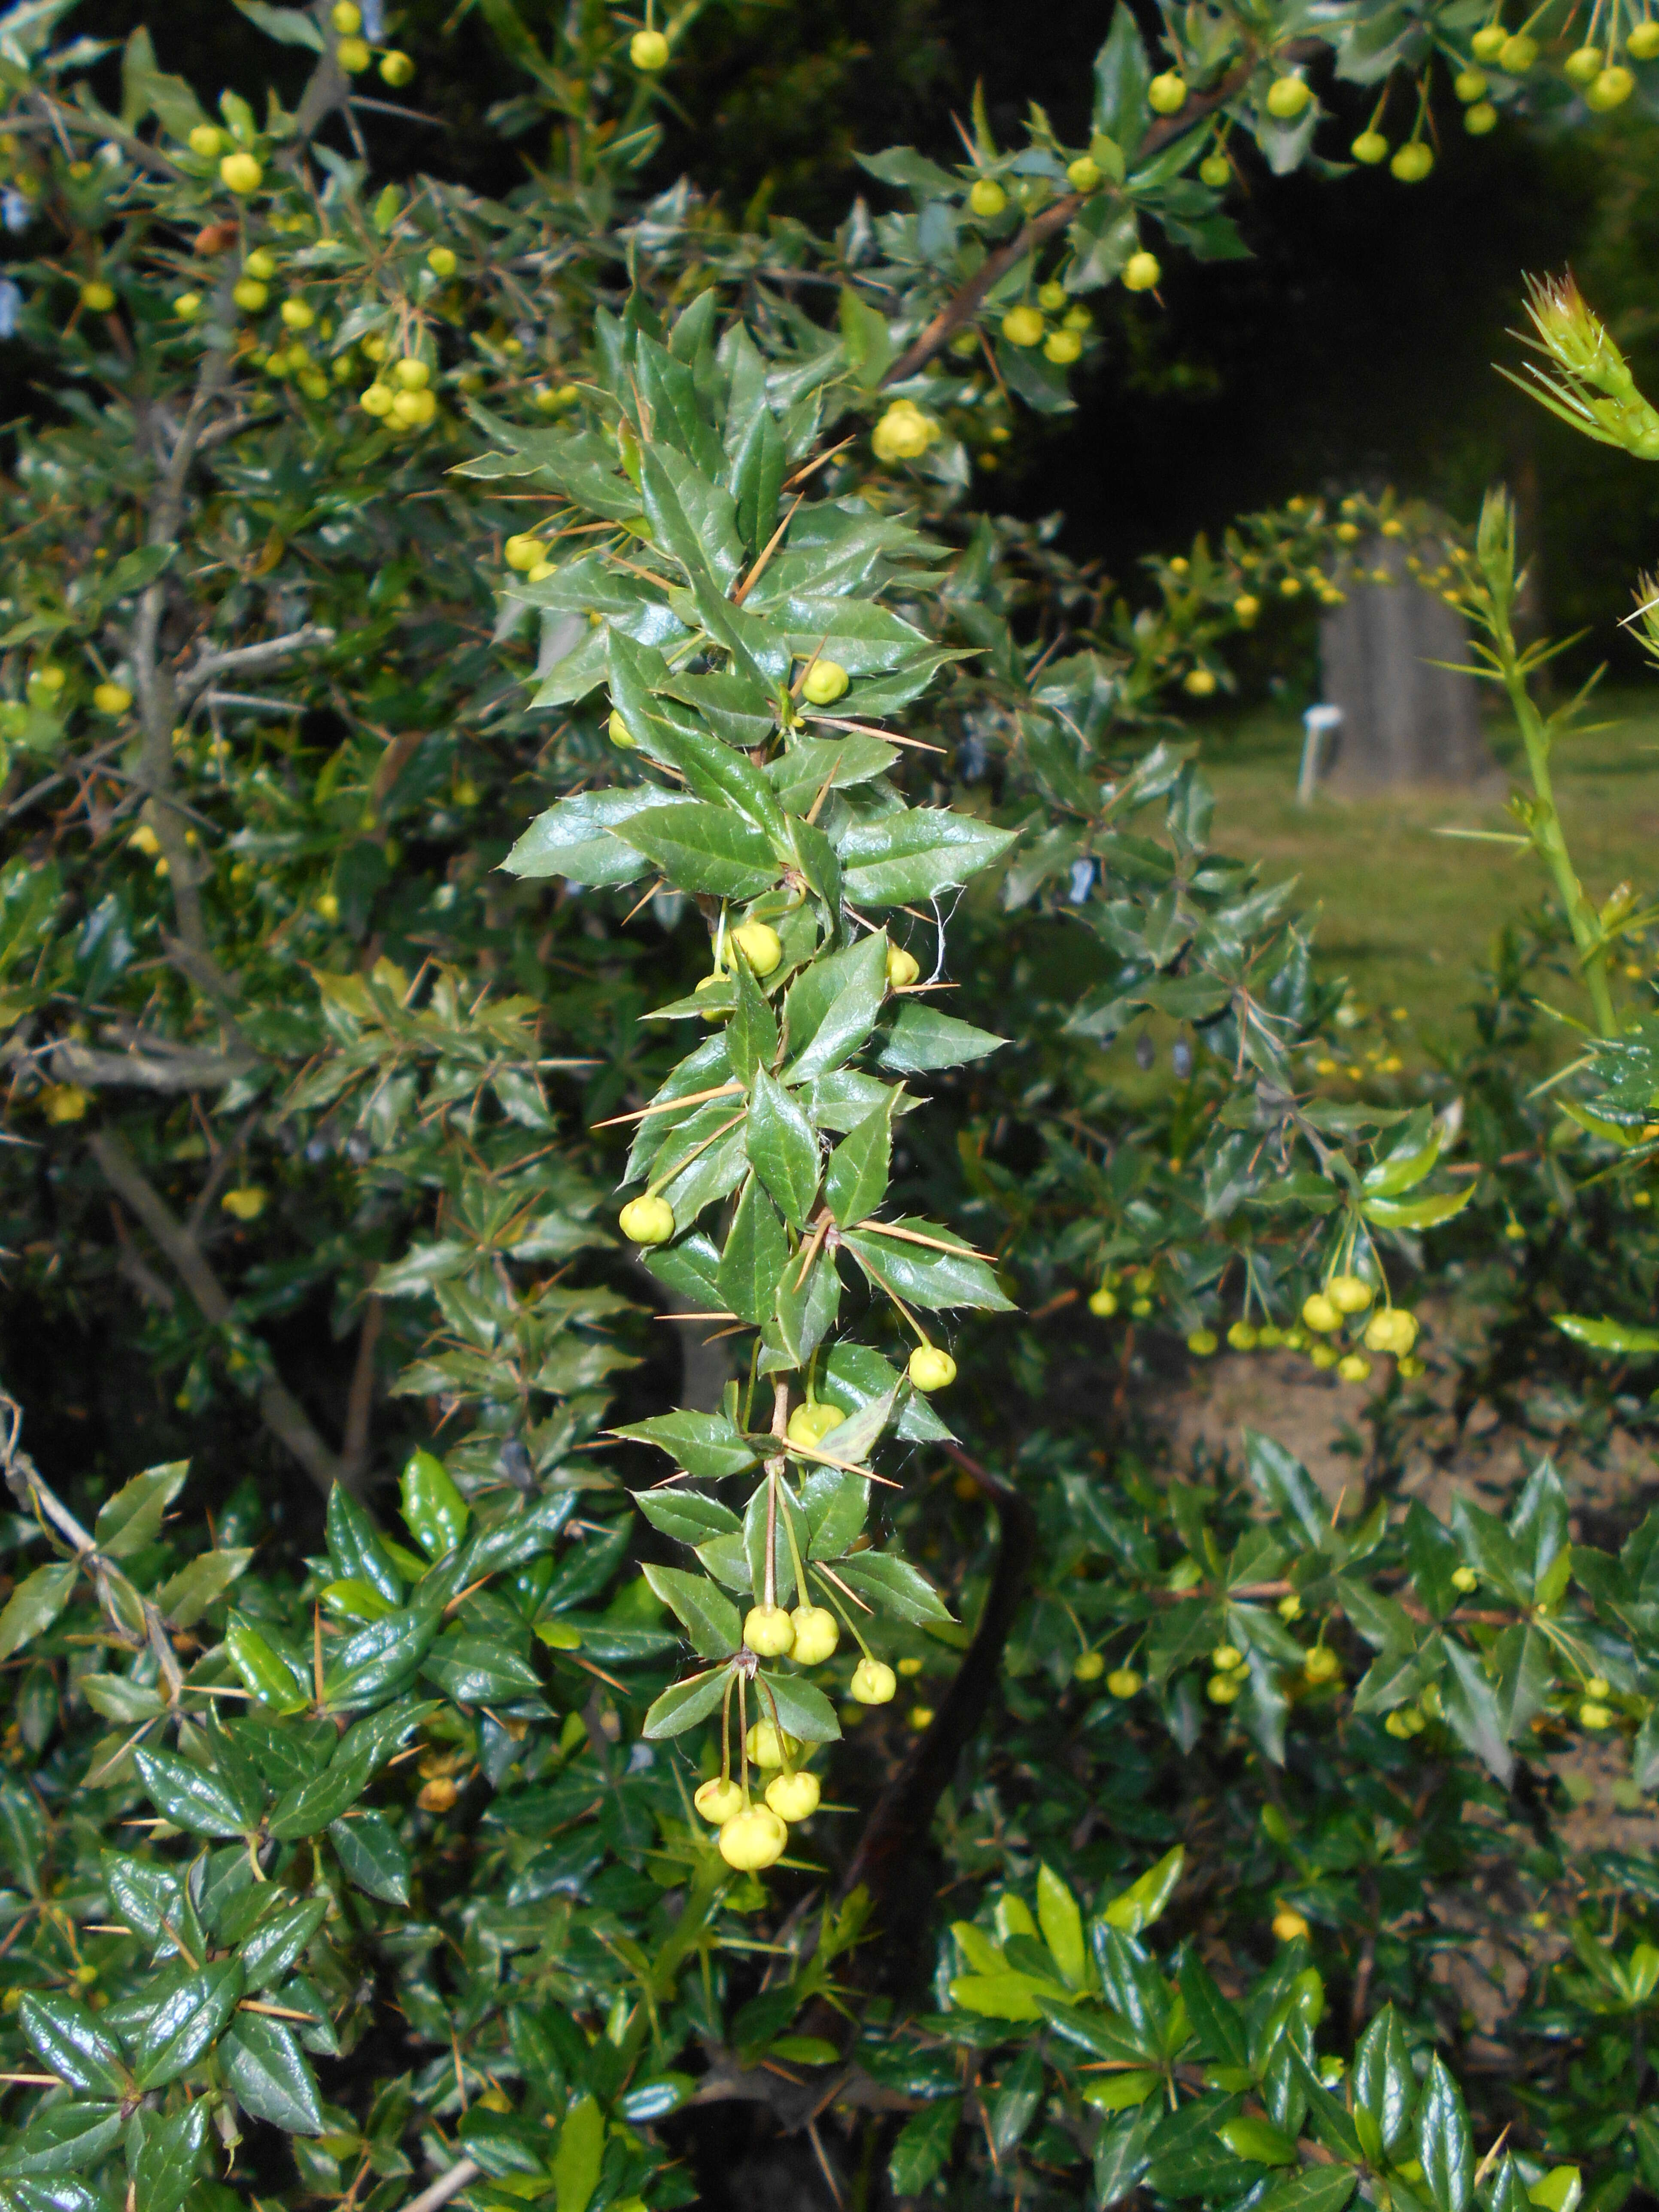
1391,1330
1230,1672
355,54
1137,1282
905,433
1341,1304
753,1836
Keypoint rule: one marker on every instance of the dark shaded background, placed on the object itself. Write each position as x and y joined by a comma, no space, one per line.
1357,346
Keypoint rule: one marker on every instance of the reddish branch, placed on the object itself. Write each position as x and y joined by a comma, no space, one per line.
964,304
900,1821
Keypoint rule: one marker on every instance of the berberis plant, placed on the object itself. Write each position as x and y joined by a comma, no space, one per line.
745,650
391,552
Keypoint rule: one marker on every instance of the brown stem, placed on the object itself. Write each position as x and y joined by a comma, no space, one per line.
249,660
896,1834
280,1410
461,2175
220,1166
149,1064
152,680
138,1272
354,1449
964,304
329,88
23,1480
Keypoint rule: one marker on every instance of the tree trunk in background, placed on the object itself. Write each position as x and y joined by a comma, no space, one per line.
1404,720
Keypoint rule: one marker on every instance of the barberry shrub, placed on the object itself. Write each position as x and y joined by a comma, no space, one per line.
460,652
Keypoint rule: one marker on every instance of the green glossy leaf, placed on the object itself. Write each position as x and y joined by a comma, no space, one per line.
852,1373
1257,2140
314,1805
756,1253
480,1670
186,2024
702,847
355,1601
682,1704
686,1515
435,1510
1445,2148
921,1274
1012,2106
275,1948
271,2076
1415,1149
1118,2093
717,772
855,1182
165,2170
184,1597
65,2035
752,1035
901,858
35,1604
1286,1486
1120,2155
754,1540
809,764
63,2139
371,1857
1434,1557
1215,2019
705,1445
1096,2029
711,1621
379,1660
264,1670
133,1518
191,1797
577,2157
576,838
1142,1902
1122,74
832,1006
756,475
356,1547
1472,1711
1005,1994
893,1586
922,1039
1417,1212
923,2146
1316,2189
1617,1336
1061,1923
1384,2078
784,1148
835,1507
802,1313
1559,2189
804,1710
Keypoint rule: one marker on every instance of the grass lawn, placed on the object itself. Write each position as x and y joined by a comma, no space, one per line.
1408,915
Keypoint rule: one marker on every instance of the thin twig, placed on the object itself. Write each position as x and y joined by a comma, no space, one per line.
282,1412
196,678
461,2175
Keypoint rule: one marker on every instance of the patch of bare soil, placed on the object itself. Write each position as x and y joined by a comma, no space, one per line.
1480,1455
